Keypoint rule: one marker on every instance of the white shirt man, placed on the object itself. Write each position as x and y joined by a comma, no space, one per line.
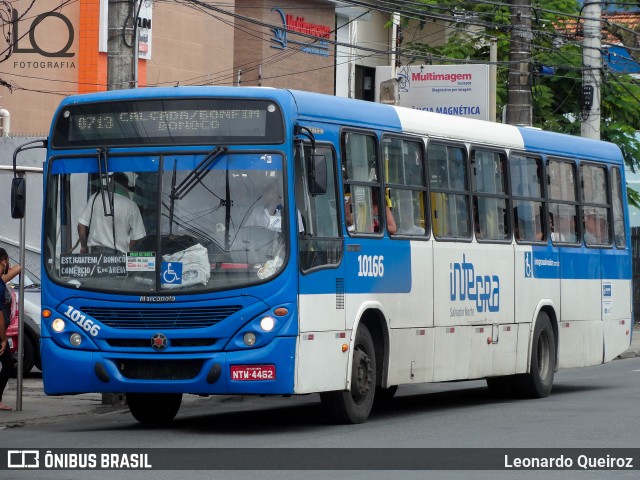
126,214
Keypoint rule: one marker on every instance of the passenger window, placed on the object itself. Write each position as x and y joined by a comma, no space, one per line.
404,166
563,201
595,206
490,200
361,185
618,209
528,200
449,183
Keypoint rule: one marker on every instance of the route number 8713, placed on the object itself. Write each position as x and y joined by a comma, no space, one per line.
370,265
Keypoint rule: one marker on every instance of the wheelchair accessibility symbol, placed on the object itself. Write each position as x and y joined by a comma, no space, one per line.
528,265
171,273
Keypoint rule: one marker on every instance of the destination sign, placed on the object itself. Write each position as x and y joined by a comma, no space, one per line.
172,121
93,265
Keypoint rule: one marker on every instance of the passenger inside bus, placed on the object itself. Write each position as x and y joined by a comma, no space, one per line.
595,229
375,220
115,233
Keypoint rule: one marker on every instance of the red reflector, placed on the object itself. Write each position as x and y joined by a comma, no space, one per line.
310,336
567,325
507,329
236,266
253,372
451,330
341,335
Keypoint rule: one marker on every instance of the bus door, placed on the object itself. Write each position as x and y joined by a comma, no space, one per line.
321,298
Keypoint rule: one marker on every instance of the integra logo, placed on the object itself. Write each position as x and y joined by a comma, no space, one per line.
464,284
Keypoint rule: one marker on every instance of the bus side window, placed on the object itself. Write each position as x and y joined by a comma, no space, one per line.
595,204
528,201
361,183
404,170
449,181
563,201
618,209
490,195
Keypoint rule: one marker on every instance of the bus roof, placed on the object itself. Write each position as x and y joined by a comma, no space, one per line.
343,111
552,143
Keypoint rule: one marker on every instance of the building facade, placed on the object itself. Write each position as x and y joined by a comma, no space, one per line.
53,49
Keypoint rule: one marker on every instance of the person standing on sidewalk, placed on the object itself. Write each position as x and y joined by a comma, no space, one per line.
6,359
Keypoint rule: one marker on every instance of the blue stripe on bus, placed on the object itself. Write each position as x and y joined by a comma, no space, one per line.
580,263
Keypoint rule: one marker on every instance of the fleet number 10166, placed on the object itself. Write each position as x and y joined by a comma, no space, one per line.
370,265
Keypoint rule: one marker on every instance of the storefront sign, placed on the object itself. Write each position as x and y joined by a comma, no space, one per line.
293,24
461,90
143,27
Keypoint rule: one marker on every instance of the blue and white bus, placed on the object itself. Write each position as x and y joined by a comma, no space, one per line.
297,243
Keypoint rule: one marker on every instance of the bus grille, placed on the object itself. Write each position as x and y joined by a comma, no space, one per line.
159,369
198,317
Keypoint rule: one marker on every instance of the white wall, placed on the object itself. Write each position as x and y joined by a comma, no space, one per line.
367,31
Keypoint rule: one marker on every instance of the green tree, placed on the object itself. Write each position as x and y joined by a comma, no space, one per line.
556,43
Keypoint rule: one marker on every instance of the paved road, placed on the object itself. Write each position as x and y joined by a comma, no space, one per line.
592,407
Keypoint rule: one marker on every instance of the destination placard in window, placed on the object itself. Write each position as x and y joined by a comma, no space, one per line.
93,265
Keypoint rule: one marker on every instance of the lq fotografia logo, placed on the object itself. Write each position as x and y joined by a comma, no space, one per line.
23,32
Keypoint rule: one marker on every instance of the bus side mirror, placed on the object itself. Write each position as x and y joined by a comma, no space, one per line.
18,197
317,175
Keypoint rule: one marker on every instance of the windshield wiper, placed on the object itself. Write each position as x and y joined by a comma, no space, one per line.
103,172
178,192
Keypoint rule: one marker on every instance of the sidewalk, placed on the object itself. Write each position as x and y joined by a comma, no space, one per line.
38,408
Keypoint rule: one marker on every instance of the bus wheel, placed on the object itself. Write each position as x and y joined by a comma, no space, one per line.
154,409
538,382
354,406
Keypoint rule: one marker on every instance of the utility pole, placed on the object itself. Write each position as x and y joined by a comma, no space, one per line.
120,76
120,61
592,59
519,88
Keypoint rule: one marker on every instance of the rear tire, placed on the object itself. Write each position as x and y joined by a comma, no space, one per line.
539,381
354,405
154,409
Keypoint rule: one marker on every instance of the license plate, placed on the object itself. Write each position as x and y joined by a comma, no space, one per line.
253,372
10,342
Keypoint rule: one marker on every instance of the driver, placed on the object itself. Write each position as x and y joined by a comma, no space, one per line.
269,213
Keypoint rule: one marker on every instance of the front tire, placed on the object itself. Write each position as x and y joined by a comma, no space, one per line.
354,405
154,409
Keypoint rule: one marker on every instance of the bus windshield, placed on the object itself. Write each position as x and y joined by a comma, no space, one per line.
183,223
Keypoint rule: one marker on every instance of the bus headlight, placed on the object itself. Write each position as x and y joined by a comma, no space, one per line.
249,339
75,339
58,325
267,323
